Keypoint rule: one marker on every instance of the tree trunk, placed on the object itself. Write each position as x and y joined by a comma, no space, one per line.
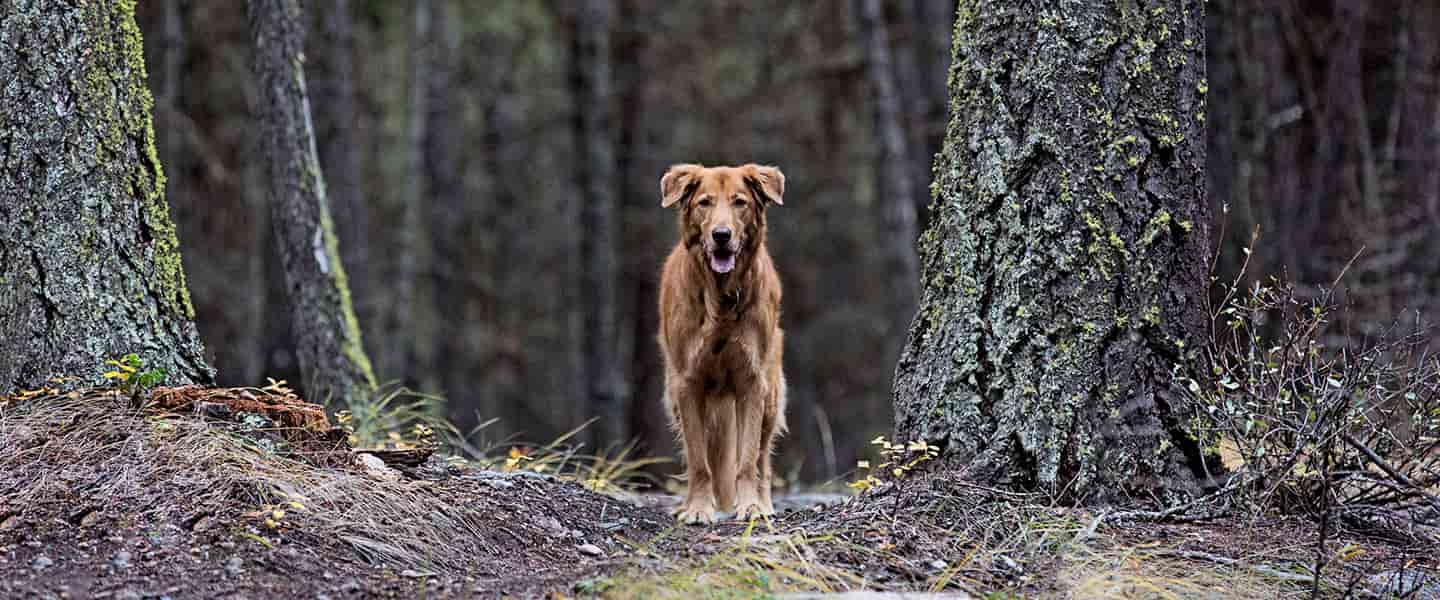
441,355
172,60
590,79
90,265
1065,270
337,119
397,354
332,360
895,186
913,59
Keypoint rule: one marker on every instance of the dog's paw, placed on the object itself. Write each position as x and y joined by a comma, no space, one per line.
695,516
752,510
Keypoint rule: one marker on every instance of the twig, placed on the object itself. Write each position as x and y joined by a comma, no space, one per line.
1389,470
1231,562
1320,554
1162,515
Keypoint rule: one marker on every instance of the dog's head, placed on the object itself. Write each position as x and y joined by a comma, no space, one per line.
722,209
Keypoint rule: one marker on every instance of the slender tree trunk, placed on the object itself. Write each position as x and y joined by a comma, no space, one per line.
327,337
90,265
935,25
397,354
172,60
912,59
1065,270
449,212
598,223
895,186
337,119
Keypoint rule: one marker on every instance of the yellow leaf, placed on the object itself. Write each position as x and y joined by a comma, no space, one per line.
277,514
1350,552
271,523
296,505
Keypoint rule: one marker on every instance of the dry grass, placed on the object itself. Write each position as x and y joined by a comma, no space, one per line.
938,534
63,456
96,451
158,461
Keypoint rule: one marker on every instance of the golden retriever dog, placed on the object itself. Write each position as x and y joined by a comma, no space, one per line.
720,336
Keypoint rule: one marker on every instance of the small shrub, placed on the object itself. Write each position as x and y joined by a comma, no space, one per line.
1302,424
393,418
898,460
127,374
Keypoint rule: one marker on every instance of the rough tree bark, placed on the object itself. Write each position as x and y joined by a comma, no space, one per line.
895,186
1065,269
332,360
90,265
590,80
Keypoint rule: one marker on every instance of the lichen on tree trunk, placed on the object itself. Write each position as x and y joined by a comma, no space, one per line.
90,264
327,336
1065,269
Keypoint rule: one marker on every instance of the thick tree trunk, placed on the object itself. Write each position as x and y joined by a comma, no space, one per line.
895,185
90,265
598,223
332,360
1065,270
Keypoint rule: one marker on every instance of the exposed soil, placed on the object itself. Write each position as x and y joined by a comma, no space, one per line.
101,500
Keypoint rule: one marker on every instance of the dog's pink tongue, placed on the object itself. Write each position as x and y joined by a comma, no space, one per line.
722,264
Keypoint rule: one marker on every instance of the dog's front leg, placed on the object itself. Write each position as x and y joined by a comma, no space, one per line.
699,504
750,411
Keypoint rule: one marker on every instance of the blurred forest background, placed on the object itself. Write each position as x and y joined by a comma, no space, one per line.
449,135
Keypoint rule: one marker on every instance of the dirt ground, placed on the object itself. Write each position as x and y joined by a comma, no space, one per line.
101,500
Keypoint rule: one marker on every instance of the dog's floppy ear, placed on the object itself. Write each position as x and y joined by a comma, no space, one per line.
767,182
677,182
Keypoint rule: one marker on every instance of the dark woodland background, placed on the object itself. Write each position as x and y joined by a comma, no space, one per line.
447,131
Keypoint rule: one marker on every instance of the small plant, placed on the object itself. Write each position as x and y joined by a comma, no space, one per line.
608,471
899,461
393,418
127,375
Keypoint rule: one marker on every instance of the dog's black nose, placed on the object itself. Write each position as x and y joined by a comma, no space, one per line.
721,235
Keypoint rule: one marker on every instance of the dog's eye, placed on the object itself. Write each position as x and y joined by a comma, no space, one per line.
739,201
705,201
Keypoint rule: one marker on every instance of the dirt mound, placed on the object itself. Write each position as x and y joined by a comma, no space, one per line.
99,499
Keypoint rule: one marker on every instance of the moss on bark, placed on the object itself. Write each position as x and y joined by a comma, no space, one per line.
88,251
1065,268
332,358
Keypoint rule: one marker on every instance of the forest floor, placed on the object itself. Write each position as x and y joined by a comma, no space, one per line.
99,499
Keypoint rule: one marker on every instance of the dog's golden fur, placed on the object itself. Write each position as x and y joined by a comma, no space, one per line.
720,337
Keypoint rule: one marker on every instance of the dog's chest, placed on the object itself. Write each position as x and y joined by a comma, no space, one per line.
725,362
